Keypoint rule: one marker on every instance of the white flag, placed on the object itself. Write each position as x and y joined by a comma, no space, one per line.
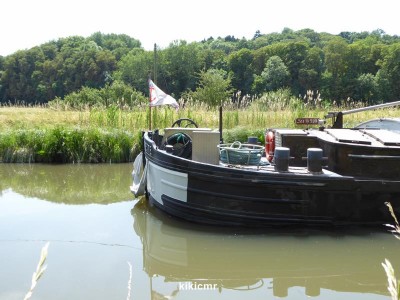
158,97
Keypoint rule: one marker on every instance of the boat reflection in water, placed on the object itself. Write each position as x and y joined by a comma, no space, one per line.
180,257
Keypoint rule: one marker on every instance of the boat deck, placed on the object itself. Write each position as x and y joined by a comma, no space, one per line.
265,166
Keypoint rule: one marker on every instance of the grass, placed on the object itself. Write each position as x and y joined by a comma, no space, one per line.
111,134
137,119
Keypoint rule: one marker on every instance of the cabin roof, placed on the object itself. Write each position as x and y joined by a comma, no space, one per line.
367,137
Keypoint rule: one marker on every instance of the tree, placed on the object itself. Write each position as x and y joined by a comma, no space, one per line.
311,70
240,65
257,34
20,76
275,74
335,54
367,88
335,62
214,87
390,72
135,68
294,53
118,44
178,66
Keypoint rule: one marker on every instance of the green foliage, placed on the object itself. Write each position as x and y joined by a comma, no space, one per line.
280,99
60,67
241,134
367,88
240,69
214,88
391,71
135,68
118,44
117,95
61,145
275,74
178,66
333,64
311,69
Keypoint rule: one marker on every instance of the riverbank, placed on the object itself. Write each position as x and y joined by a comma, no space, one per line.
112,135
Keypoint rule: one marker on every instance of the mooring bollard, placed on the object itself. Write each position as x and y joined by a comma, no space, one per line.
281,159
314,160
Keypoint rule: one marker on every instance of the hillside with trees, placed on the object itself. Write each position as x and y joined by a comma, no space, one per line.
361,66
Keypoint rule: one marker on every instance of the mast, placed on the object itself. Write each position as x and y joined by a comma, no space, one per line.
155,63
155,82
149,105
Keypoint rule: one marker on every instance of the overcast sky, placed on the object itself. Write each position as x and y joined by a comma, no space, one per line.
28,23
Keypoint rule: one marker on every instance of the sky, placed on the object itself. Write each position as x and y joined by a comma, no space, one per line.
27,23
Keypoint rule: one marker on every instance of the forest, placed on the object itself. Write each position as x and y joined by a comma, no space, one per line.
362,66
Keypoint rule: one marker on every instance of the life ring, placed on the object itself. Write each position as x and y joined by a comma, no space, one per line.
269,145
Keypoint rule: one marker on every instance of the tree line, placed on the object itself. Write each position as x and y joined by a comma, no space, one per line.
361,66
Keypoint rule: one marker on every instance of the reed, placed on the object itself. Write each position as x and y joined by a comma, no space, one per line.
41,267
395,229
393,283
68,145
129,281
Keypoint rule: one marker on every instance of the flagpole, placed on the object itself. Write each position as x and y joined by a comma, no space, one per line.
156,95
149,110
154,76
155,63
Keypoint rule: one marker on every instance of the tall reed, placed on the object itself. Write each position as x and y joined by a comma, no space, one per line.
41,267
393,283
62,145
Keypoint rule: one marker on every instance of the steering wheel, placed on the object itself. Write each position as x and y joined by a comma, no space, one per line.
190,122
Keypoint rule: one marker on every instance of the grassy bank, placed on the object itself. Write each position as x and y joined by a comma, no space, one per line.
67,145
42,134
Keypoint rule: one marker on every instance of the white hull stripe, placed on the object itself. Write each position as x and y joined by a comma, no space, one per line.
162,181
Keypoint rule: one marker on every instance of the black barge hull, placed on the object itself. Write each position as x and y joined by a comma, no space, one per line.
222,195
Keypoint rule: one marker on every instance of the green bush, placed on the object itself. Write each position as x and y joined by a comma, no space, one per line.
241,134
117,94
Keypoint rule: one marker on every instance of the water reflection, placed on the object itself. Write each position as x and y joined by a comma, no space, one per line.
91,244
70,184
179,256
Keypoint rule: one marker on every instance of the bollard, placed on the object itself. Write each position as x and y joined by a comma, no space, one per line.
314,160
252,140
281,159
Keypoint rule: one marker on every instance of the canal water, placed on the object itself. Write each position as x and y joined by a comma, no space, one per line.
104,244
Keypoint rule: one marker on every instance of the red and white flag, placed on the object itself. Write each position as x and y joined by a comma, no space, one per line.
158,97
